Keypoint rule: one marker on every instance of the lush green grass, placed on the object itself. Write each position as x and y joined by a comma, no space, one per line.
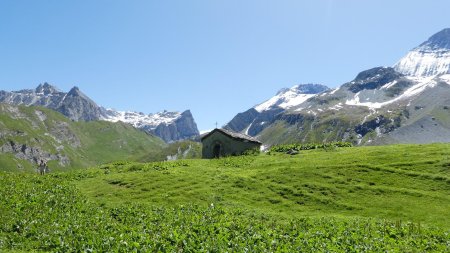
403,182
105,141
49,214
385,198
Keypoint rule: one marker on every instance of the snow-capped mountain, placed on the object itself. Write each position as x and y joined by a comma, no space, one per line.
140,120
408,103
287,98
169,126
429,59
254,120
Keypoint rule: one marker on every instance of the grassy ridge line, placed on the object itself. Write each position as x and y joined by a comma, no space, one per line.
400,182
49,214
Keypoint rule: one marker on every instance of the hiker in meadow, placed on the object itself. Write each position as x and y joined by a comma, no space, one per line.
42,167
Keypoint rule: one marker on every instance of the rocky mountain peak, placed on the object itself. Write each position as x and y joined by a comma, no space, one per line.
373,79
75,91
187,113
440,40
46,89
431,58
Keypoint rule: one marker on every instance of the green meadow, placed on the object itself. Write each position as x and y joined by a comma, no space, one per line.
347,199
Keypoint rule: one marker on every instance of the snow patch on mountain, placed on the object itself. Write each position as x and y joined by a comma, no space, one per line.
422,62
140,120
288,98
248,128
389,85
285,101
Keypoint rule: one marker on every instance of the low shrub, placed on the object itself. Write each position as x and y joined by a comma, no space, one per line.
283,148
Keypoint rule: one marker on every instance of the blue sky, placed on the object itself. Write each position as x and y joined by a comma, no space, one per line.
216,58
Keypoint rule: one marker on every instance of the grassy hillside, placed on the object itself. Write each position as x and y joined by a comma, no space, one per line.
30,133
364,199
343,125
404,182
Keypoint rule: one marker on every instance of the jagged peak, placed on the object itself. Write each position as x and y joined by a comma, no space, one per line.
75,91
46,88
186,113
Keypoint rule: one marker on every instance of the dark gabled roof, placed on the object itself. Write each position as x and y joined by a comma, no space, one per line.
234,135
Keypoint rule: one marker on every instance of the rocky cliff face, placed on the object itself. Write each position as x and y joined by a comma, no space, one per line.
181,128
32,154
45,140
169,126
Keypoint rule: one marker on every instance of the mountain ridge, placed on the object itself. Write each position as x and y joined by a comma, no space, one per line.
406,103
79,107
